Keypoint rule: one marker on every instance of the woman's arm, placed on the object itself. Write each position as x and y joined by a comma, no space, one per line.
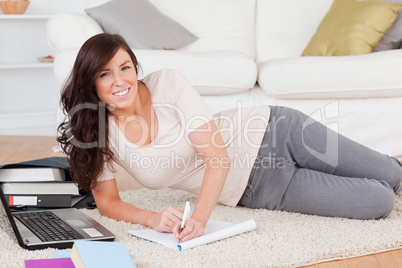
110,205
209,145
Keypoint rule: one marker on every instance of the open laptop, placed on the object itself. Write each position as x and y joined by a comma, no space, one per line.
71,224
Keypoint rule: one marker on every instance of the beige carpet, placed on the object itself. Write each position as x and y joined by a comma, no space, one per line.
280,240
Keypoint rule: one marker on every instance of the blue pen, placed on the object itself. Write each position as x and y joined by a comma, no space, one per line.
185,216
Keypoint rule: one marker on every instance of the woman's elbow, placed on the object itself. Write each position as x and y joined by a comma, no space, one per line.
219,163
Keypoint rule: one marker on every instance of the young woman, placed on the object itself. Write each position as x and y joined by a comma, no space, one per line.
161,132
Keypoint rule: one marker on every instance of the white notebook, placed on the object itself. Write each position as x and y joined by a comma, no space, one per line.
214,231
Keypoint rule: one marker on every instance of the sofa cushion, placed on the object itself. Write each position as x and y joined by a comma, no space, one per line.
141,24
393,37
352,27
211,72
369,75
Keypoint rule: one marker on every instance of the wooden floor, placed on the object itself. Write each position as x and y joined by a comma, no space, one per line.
15,149
391,259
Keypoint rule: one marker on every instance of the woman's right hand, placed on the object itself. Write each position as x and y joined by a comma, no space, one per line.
166,220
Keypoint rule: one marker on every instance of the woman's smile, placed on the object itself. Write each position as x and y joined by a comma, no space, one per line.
122,93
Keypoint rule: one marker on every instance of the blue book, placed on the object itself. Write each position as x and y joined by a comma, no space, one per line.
63,253
97,254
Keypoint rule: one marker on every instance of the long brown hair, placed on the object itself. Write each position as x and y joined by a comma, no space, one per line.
84,132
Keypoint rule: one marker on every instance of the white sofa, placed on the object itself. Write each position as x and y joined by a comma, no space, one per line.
248,53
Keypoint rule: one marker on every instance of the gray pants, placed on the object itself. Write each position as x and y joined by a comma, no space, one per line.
303,166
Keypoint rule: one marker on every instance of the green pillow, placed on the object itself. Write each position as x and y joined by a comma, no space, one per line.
352,27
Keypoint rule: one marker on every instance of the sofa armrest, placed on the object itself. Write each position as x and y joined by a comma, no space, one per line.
69,30
63,64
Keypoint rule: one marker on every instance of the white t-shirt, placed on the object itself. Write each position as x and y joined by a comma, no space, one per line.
171,159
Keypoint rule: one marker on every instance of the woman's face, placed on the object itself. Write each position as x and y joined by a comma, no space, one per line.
117,83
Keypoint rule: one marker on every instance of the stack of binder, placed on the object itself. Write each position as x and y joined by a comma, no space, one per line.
45,183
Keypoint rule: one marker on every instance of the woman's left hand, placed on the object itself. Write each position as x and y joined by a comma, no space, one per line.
166,220
192,229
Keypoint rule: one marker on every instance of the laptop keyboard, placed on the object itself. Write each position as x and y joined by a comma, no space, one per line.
47,226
